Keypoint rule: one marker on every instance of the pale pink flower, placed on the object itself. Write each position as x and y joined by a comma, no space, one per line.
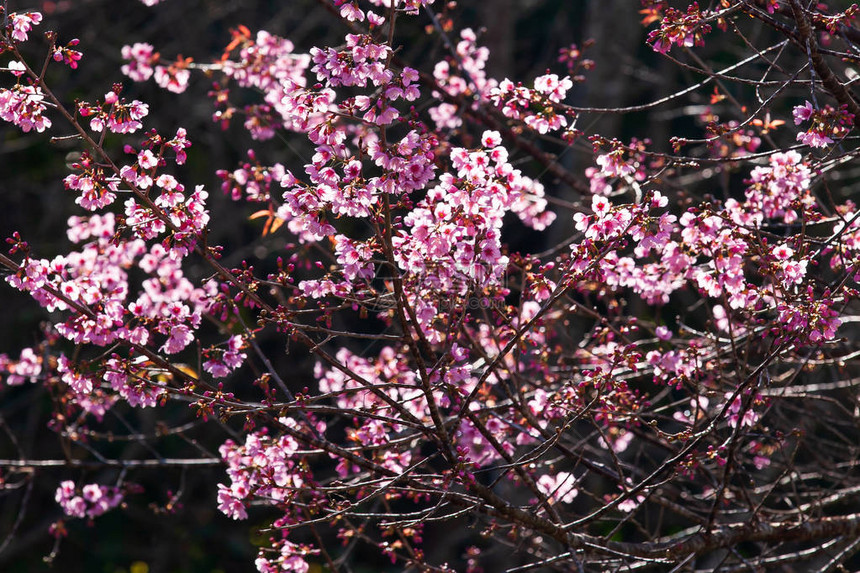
560,487
140,57
814,138
23,23
180,337
802,113
614,165
172,78
782,252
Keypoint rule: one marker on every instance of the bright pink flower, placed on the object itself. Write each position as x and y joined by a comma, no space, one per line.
351,12
23,106
614,165
802,113
94,499
67,55
180,337
814,138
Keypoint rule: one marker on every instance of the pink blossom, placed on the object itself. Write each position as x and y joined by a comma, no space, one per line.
802,113
663,333
679,28
179,144
140,57
23,23
614,165
17,68
146,159
290,560
632,502
698,408
24,106
172,78
825,122
27,368
180,337
93,501
600,205
551,86
560,487
67,55
230,505
814,138
351,12
750,417
782,252
120,116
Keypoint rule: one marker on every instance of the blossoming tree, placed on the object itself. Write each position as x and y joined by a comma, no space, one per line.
669,384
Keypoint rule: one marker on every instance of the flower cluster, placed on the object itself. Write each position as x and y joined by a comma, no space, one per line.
558,488
679,28
220,364
826,123
269,64
262,467
463,74
572,57
96,189
289,558
144,62
361,61
89,501
22,24
518,102
642,356
833,22
68,55
251,181
24,106
26,369
115,114
779,190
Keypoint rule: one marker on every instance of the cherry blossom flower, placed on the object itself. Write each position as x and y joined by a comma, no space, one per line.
560,487
825,122
679,28
27,368
92,501
802,113
22,24
24,106
614,165
550,86
631,503
499,350
140,57
172,78
814,138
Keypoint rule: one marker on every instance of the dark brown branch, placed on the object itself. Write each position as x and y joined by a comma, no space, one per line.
731,535
828,79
